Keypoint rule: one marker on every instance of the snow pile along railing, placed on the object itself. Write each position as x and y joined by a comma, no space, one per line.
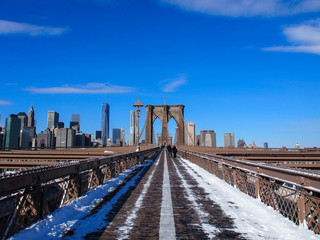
27,196
293,193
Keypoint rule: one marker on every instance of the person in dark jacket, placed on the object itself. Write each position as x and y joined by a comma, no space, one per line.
169,149
174,150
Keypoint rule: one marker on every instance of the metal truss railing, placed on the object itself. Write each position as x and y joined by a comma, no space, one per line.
30,195
292,193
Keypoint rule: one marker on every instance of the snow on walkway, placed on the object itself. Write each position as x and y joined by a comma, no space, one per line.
73,213
202,215
252,218
128,225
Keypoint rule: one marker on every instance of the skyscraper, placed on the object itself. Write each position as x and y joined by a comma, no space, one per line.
105,119
31,117
80,139
241,144
65,138
229,140
75,126
208,138
1,137
45,139
60,125
23,118
133,128
75,118
98,134
24,138
13,124
189,133
75,122
52,120
123,137
116,135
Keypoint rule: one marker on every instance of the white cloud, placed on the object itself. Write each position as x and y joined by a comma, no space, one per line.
9,27
172,85
248,8
303,38
90,88
5,102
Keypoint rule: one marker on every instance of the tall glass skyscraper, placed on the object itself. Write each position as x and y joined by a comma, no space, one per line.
116,135
105,120
13,124
24,119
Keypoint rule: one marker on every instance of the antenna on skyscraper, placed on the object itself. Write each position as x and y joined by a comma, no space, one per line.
106,94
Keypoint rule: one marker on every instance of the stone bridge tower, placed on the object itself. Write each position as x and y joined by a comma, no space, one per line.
165,113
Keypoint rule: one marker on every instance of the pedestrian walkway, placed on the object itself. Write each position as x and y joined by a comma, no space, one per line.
166,198
169,204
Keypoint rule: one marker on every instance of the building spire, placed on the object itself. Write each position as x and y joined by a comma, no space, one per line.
106,94
31,117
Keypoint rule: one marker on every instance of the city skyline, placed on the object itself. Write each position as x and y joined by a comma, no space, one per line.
248,70
157,127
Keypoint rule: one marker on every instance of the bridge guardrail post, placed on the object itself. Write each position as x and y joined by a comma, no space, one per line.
117,169
312,213
113,166
95,178
211,167
302,207
235,183
39,202
106,173
72,189
207,164
257,186
227,174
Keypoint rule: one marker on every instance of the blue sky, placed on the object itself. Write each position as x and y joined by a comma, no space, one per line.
248,67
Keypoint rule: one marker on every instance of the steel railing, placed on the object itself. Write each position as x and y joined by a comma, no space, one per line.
29,195
293,193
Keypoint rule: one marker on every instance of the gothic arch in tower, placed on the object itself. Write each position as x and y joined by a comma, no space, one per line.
165,113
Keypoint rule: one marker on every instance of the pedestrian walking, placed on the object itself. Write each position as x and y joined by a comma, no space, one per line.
169,149
174,150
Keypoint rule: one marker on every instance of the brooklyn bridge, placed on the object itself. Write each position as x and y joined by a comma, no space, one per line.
121,193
